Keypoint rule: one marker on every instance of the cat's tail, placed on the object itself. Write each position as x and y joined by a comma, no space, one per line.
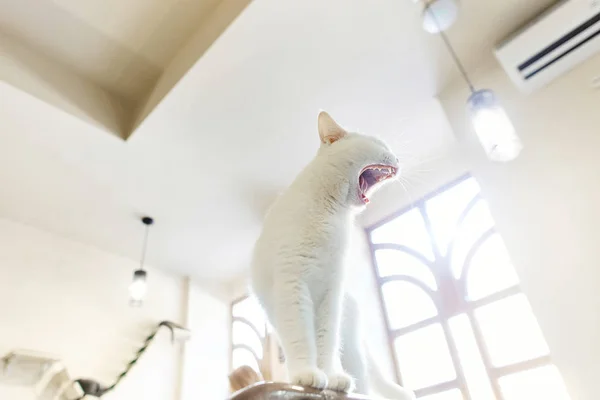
384,386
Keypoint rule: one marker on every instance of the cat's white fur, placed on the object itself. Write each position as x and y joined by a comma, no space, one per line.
297,270
358,361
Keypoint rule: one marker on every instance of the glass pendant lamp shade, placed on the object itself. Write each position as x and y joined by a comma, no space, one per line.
493,127
139,284
138,287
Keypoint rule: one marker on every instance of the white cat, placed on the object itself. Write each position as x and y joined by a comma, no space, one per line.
298,265
358,361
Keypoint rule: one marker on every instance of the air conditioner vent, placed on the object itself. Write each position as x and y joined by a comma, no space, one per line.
561,39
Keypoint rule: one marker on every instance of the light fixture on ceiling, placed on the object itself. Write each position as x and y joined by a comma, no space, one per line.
439,15
139,285
492,125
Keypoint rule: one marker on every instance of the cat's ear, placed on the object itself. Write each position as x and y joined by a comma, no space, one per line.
329,130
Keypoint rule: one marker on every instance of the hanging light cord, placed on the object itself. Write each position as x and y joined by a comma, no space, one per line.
144,246
459,64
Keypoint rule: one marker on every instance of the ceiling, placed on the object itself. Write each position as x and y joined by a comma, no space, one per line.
228,129
123,46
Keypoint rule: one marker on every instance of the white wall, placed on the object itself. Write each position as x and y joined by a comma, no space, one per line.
207,355
71,300
546,205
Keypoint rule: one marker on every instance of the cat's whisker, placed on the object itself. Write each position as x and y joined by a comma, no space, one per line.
402,183
406,185
417,179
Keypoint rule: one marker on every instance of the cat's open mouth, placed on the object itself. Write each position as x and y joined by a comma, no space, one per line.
370,176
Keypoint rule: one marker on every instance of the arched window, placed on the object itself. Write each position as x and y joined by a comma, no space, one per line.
248,333
460,328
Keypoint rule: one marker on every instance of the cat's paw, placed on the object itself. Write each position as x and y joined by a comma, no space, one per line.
340,382
311,377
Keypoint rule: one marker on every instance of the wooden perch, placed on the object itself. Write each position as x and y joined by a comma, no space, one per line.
285,391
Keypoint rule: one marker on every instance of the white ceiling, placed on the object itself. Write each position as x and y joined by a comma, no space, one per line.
237,127
122,45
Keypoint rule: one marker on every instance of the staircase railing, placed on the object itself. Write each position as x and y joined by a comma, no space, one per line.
50,379
92,388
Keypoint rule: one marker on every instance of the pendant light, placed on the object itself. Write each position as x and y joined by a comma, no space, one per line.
139,285
491,124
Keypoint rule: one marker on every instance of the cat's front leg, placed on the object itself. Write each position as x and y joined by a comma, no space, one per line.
294,320
328,321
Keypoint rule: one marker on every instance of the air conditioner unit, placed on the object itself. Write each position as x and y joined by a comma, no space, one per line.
564,36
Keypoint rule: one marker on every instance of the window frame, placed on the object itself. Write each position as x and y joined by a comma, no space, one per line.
451,298
233,346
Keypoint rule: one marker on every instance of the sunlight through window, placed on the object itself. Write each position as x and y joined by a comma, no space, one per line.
248,330
459,325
